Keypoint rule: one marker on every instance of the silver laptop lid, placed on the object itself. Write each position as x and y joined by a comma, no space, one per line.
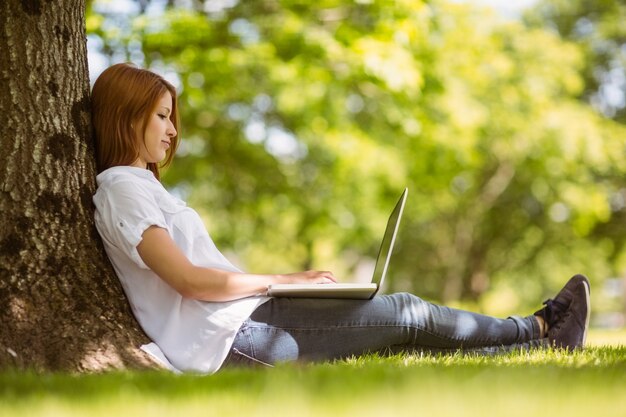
386,247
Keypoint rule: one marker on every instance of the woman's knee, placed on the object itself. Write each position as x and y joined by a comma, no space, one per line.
410,308
407,298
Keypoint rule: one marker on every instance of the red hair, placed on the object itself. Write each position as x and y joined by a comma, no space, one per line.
124,96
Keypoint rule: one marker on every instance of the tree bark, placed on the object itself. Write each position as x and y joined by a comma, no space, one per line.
61,305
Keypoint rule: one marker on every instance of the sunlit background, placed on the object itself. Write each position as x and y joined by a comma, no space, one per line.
303,121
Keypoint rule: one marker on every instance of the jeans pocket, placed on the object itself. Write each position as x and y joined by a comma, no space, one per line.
237,358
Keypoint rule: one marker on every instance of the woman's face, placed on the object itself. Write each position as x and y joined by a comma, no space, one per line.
158,135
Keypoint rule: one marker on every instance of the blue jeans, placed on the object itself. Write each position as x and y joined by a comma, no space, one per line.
306,329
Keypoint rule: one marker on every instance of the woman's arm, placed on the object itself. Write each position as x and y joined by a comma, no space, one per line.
161,255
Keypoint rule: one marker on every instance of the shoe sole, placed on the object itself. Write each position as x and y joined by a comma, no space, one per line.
588,302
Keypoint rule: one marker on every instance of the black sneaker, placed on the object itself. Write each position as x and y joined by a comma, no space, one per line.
567,315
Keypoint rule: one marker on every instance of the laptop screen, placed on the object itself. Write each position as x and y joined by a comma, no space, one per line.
386,247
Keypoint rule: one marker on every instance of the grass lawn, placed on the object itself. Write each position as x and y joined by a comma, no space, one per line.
586,383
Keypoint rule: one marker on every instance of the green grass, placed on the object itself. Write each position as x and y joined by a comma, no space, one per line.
587,383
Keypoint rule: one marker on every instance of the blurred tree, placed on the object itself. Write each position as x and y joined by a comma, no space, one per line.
303,123
598,28
523,193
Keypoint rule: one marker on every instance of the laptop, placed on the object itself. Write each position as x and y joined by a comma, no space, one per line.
359,291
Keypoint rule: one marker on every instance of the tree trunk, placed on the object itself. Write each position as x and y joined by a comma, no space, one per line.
61,306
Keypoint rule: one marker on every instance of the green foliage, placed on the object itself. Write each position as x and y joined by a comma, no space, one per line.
585,383
302,124
598,29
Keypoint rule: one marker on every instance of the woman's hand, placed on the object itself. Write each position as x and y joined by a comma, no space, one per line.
309,277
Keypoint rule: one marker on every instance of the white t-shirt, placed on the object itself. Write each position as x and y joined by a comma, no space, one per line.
194,335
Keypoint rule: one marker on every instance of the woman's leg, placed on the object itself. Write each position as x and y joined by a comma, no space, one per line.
288,329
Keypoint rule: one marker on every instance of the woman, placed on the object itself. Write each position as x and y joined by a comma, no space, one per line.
204,313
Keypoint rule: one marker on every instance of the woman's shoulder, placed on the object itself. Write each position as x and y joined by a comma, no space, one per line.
125,173
127,180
